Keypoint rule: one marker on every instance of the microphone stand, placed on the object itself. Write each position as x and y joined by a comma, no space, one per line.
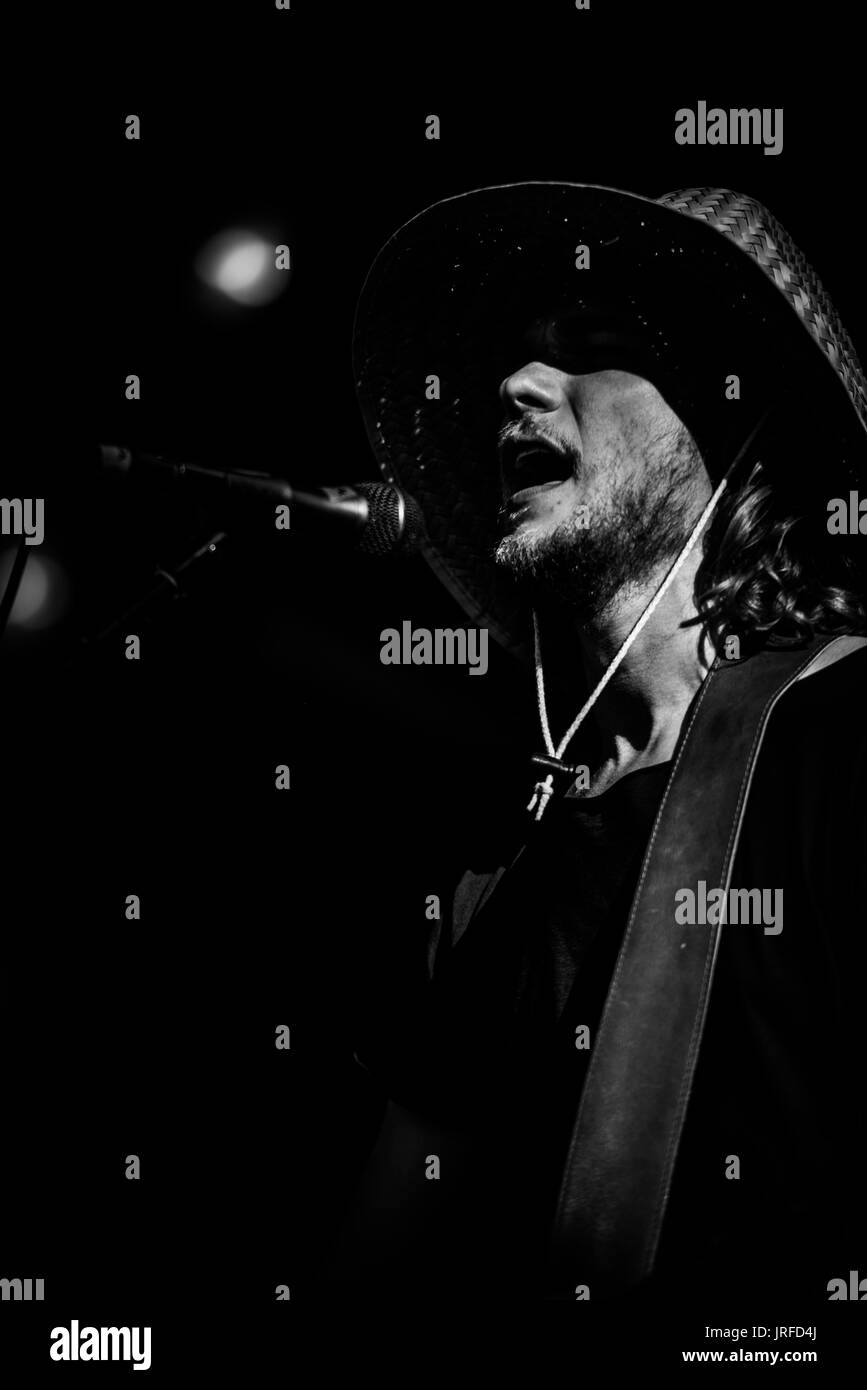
168,587
349,505
9,593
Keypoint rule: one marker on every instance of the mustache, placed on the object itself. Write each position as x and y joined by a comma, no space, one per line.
516,432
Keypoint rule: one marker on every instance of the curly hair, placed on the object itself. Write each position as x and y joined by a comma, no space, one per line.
771,573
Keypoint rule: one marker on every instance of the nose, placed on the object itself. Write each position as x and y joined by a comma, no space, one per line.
535,386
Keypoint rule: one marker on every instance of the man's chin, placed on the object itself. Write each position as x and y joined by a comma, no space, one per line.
533,554
519,551
581,572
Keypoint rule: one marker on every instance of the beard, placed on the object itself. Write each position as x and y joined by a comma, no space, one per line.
633,532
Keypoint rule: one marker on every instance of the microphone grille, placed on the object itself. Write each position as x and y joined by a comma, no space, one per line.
395,520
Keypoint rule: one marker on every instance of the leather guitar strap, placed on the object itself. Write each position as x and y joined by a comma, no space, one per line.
625,1139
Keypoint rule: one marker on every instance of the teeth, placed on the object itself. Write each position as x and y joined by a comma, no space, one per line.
536,457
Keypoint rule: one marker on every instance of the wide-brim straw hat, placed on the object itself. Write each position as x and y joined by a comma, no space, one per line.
705,284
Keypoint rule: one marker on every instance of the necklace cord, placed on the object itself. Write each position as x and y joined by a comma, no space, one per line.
544,789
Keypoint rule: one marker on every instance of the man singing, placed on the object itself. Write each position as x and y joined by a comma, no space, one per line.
631,425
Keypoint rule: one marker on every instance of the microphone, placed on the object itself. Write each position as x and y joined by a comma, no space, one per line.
384,518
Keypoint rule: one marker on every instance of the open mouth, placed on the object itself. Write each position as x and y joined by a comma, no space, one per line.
531,469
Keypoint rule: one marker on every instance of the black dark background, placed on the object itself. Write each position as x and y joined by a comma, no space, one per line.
157,777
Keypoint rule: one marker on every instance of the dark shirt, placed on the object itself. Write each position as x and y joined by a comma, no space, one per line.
526,957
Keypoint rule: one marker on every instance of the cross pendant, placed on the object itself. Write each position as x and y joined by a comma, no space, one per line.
543,791
541,795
